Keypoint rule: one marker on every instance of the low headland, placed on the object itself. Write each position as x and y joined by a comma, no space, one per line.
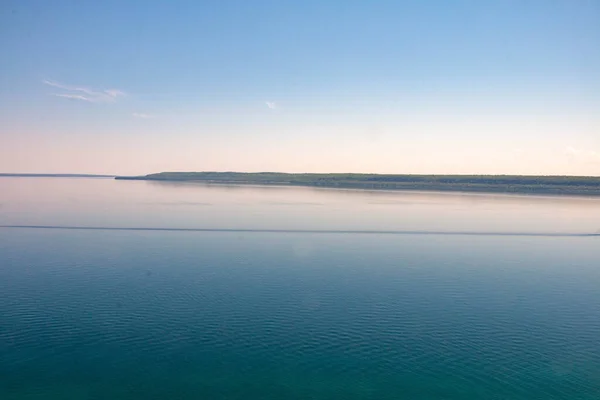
509,184
28,175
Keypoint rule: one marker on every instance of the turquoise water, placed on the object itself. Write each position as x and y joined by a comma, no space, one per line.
253,314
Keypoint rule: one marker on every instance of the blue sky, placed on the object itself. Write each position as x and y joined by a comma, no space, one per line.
380,86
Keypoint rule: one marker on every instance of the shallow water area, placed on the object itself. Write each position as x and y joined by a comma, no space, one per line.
277,292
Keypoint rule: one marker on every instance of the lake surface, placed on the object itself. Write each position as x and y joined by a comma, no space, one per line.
294,293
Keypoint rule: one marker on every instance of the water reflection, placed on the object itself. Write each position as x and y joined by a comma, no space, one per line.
106,202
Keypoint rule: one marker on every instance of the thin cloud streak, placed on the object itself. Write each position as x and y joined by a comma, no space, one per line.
89,95
115,93
73,97
584,156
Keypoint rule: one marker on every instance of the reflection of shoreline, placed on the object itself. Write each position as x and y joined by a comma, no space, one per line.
225,185
467,194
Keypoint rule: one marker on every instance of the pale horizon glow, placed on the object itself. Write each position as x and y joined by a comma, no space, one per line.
398,87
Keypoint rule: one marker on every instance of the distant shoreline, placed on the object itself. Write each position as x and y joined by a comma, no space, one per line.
11,175
505,184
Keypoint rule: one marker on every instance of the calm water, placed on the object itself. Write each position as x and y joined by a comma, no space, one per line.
257,314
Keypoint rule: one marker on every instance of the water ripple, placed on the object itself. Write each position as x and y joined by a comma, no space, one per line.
225,322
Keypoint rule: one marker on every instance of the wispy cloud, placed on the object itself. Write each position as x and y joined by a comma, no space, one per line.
73,97
142,115
114,93
271,104
86,94
580,155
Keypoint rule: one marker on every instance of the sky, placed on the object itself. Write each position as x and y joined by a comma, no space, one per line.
407,87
